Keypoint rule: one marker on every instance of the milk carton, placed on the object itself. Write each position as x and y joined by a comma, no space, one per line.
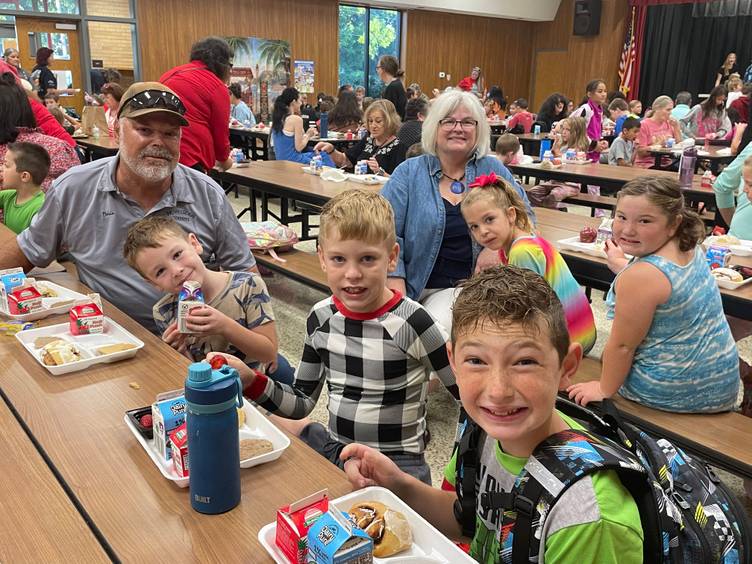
293,523
167,415
333,539
184,308
10,279
86,319
24,300
179,447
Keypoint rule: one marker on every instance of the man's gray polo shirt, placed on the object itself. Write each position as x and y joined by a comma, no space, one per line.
85,213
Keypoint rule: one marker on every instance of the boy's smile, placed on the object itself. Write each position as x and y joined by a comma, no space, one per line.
172,263
508,380
356,271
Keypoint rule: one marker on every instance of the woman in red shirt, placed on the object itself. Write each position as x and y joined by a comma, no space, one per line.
202,86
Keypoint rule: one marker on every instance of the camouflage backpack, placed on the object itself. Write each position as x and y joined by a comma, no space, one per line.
687,514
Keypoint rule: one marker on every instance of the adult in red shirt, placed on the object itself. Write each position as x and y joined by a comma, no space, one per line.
45,120
741,105
202,87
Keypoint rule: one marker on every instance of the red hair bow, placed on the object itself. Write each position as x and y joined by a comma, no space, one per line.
485,180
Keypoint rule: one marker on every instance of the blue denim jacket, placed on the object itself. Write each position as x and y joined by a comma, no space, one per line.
413,191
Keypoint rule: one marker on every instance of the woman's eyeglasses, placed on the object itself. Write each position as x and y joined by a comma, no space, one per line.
156,99
448,124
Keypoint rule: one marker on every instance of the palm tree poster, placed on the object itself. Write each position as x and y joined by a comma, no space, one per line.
263,68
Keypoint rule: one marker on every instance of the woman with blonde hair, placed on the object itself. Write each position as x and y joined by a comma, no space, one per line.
655,130
381,147
436,251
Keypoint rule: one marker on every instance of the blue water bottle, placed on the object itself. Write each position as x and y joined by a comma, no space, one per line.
211,397
324,125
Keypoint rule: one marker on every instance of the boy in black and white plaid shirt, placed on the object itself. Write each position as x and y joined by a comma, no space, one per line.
374,348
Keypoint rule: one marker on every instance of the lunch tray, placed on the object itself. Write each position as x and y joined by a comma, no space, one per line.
256,426
65,297
87,344
429,545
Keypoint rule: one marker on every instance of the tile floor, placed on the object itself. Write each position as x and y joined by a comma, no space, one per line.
292,301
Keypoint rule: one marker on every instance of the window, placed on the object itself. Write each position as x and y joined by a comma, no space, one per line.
47,6
365,34
58,42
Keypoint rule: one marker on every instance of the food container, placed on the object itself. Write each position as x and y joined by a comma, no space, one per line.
256,426
429,545
90,347
59,302
135,416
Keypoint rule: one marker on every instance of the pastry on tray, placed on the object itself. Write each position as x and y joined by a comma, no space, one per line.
389,529
60,352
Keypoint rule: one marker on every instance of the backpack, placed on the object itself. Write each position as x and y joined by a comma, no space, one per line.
687,514
269,235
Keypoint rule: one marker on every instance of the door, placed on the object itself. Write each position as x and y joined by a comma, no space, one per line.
33,33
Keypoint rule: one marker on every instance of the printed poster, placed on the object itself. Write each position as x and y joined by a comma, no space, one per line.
304,76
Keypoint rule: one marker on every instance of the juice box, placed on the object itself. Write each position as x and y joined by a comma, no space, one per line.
184,308
86,319
718,257
333,539
179,447
167,415
293,523
24,300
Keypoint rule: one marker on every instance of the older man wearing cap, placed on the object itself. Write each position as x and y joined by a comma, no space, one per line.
88,210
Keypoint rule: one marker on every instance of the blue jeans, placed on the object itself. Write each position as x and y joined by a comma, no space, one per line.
285,373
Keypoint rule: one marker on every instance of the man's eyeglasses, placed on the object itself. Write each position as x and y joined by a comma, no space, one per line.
448,124
157,99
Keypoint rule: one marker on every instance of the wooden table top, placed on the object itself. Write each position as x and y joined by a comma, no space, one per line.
78,420
38,522
287,179
102,142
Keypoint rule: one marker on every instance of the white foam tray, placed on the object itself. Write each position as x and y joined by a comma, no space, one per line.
729,285
256,426
743,249
574,244
367,178
48,304
429,545
87,344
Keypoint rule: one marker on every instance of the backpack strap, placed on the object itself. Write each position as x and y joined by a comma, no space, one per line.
466,472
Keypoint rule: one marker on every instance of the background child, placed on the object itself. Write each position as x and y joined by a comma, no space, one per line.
507,148
70,122
622,149
592,111
572,135
496,216
25,168
522,120
618,111
511,353
237,317
635,108
373,348
670,345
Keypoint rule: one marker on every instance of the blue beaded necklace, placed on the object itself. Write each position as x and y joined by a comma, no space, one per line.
457,186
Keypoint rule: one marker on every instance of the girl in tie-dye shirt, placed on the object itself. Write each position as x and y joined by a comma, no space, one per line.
497,219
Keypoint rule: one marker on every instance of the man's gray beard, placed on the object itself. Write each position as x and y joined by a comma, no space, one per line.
153,173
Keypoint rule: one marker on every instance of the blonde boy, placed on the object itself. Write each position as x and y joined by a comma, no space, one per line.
237,316
507,148
510,351
373,348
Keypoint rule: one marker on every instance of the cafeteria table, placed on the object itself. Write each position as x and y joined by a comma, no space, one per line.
77,419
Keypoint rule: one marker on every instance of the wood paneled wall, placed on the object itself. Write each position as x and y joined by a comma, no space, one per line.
563,62
167,28
527,59
456,43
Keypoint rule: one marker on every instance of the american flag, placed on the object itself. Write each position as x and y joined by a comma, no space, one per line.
628,56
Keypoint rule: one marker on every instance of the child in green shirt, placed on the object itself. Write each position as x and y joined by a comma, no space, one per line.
511,353
26,166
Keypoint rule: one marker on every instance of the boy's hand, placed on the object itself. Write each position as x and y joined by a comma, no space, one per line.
174,338
586,392
365,466
246,374
206,320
